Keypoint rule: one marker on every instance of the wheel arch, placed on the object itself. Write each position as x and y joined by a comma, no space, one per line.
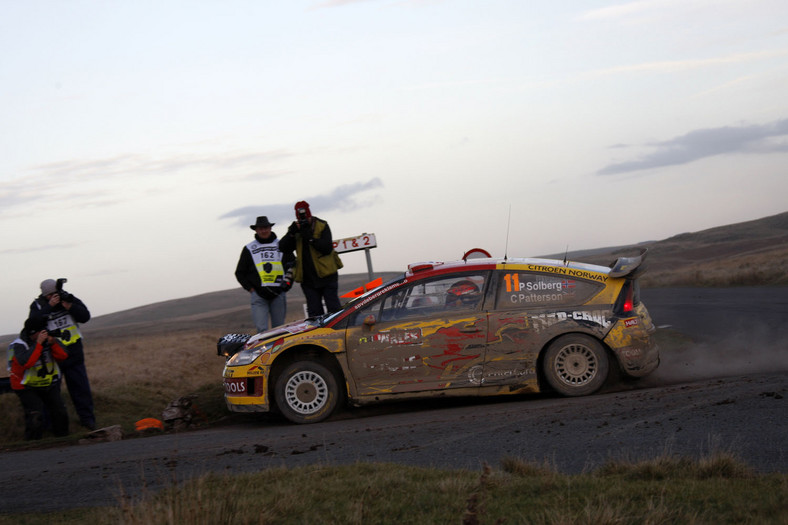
305,353
544,385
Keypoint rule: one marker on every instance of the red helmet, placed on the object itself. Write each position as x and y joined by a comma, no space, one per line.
463,292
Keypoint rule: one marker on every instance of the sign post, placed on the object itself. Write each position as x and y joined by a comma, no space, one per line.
365,241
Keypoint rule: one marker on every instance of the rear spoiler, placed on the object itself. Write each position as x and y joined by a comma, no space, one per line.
627,266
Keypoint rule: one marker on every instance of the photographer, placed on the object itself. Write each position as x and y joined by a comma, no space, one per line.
62,312
35,377
317,262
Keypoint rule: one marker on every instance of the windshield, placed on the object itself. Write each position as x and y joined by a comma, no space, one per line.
325,319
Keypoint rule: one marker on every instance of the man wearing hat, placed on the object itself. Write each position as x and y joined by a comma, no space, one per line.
266,273
64,312
35,377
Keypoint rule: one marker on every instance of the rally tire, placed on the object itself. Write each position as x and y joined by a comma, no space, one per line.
576,365
306,392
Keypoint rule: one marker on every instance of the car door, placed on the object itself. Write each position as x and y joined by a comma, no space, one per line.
424,335
529,309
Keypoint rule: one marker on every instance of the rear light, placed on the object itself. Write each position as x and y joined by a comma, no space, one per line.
628,303
625,305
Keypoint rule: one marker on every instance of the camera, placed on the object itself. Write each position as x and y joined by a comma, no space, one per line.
302,217
64,295
63,335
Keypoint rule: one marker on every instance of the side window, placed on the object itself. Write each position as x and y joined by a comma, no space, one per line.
436,296
357,319
533,290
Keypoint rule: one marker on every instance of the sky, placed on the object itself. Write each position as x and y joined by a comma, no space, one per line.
139,140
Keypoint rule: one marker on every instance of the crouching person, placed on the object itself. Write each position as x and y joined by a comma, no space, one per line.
35,377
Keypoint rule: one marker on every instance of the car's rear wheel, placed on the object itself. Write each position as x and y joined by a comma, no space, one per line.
576,365
306,392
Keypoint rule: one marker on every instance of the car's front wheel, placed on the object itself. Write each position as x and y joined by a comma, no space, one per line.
306,392
576,365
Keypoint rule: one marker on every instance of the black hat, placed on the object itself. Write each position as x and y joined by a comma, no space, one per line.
262,222
34,324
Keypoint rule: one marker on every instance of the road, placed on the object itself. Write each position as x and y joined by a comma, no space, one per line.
726,391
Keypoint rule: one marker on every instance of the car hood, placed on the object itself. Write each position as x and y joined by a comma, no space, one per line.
297,327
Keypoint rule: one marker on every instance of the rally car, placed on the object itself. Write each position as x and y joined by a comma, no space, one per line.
475,327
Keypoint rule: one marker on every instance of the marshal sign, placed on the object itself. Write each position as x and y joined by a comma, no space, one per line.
364,241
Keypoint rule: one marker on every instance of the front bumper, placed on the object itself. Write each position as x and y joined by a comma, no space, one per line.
246,388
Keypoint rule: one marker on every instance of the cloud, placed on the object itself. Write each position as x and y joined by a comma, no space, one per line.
629,9
80,181
34,249
336,3
123,165
703,143
342,3
342,198
673,66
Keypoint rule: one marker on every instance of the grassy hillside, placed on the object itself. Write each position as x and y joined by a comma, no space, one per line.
226,311
748,253
745,254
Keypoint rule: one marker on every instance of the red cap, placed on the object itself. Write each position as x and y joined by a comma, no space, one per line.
302,205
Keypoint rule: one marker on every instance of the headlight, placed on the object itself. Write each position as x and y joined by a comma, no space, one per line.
247,355
230,344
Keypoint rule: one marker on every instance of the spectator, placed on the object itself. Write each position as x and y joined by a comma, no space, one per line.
35,377
317,262
266,273
63,311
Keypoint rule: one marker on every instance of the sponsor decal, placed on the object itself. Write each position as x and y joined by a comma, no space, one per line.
395,365
631,322
478,375
235,386
297,328
394,337
570,272
375,296
475,375
543,321
631,353
255,370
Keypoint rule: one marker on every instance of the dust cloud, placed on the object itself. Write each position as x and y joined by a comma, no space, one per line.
758,349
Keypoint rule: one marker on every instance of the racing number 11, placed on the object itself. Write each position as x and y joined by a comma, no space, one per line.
512,282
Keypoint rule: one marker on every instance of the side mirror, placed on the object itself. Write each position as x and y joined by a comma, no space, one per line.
369,320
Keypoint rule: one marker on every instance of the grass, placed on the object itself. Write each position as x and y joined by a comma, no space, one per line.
749,269
132,379
717,489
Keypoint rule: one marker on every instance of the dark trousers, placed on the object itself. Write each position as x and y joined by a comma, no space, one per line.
78,385
316,294
34,402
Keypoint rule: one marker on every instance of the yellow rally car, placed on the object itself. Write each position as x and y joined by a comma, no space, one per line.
472,327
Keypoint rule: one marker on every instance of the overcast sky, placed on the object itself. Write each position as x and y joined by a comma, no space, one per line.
139,140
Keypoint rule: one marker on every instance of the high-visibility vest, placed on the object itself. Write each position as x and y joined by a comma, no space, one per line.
41,374
62,320
268,260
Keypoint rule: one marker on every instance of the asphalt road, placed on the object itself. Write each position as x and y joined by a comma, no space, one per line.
725,391
736,315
